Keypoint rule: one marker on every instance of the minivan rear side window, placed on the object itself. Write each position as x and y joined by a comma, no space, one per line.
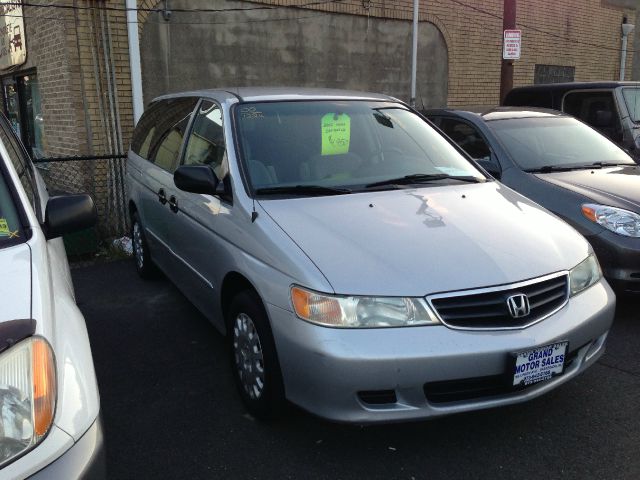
159,134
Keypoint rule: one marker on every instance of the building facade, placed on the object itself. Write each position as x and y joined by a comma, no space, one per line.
66,80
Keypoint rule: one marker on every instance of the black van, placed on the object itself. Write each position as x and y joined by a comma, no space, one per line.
613,108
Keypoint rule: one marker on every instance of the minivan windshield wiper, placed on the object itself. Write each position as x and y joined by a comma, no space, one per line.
423,178
304,190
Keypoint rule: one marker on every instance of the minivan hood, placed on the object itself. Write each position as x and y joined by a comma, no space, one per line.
615,186
15,282
413,242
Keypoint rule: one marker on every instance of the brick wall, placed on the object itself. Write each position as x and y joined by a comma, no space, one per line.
584,34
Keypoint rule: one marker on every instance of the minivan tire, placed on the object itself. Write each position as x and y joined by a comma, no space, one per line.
253,357
144,264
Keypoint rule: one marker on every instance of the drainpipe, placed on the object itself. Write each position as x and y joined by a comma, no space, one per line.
414,52
627,28
134,60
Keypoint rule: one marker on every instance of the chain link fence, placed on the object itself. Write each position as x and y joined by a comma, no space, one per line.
100,176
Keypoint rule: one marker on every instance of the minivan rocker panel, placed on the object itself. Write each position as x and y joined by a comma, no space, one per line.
416,242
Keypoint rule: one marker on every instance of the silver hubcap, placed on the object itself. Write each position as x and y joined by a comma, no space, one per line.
248,355
137,245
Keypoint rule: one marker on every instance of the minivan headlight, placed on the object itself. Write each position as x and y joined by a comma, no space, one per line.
360,312
618,220
585,274
27,396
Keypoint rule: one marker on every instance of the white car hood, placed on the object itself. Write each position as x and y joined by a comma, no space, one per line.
418,241
15,282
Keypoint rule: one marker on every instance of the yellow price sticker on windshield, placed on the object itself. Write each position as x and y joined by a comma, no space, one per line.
336,134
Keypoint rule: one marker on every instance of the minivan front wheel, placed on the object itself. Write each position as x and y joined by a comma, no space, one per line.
144,265
253,356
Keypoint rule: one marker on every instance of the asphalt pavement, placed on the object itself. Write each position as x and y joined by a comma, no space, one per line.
171,411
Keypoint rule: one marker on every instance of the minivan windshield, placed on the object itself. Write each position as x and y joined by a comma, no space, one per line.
338,147
10,228
632,99
549,143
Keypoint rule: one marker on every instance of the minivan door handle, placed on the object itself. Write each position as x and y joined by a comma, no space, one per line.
173,204
162,197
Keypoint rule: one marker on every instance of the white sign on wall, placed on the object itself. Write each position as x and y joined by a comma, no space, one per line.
13,46
511,44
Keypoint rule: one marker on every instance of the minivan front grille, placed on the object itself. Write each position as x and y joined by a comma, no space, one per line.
488,308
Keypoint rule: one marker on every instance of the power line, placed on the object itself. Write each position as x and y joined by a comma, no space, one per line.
160,10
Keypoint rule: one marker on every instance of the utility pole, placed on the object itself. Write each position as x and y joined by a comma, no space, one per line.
414,52
508,23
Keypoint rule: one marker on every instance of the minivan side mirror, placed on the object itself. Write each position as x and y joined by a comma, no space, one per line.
490,167
67,214
197,179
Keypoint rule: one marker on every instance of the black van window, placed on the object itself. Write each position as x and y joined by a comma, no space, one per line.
529,98
596,109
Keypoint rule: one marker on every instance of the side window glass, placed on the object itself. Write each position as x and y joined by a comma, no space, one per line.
22,164
146,128
206,142
165,137
596,109
467,138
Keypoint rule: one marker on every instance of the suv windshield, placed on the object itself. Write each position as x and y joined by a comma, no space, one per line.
545,143
632,99
337,147
10,228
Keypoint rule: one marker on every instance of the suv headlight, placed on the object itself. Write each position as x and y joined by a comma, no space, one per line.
585,274
622,222
360,312
27,396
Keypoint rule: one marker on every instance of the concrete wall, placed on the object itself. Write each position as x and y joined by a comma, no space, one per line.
289,47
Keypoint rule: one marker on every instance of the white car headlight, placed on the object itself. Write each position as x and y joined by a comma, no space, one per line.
360,312
585,274
622,222
27,396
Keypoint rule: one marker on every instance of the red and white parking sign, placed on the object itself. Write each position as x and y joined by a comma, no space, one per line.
511,44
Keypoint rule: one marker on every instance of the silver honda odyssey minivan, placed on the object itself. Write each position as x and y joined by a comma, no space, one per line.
360,264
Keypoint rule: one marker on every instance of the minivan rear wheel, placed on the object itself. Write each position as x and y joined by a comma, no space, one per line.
254,359
144,265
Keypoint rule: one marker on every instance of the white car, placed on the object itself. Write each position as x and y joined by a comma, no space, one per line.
49,404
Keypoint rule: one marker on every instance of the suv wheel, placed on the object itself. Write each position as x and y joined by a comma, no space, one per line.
253,356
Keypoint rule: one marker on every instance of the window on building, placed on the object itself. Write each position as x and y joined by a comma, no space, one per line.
553,74
23,108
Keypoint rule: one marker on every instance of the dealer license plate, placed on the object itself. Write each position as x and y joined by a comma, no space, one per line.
539,364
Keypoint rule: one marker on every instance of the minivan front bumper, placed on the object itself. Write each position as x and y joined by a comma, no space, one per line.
386,374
